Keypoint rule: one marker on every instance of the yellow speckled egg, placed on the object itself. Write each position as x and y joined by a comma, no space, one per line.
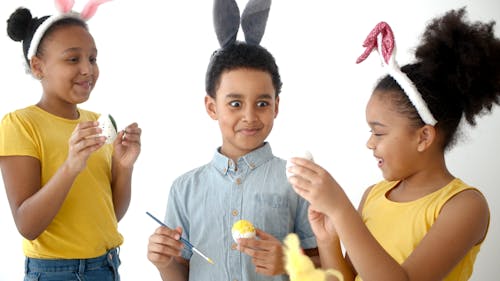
243,229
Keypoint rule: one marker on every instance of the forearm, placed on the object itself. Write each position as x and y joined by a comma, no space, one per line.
121,186
332,257
36,213
175,271
369,258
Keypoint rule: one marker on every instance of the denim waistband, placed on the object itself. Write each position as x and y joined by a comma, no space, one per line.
71,265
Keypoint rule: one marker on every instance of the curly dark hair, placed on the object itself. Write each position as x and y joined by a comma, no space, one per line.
21,26
457,72
240,55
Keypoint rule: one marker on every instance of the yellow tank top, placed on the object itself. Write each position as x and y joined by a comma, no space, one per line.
410,221
86,225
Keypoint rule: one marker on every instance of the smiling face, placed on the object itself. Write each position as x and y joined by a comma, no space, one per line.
394,141
245,106
67,68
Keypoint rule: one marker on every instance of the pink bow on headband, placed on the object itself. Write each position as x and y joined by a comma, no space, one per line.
65,6
371,42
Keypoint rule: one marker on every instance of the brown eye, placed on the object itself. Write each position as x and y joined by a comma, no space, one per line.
235,104
262,104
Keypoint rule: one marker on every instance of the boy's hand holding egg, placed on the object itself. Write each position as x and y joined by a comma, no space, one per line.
243,229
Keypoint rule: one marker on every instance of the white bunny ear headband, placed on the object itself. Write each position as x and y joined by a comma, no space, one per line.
381,38
253,21
64,7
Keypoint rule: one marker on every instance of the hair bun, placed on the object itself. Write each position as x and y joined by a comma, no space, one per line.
19,23
462,59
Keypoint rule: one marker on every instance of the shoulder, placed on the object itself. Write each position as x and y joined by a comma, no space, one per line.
373,191
477,215
194,175
363,198
19,118
19,113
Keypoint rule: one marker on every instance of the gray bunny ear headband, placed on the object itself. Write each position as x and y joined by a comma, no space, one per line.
253,21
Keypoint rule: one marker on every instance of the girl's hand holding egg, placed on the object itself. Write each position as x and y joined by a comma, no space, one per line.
108,126
306,155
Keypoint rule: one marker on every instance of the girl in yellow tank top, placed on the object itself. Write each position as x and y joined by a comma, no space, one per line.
421,222
66,187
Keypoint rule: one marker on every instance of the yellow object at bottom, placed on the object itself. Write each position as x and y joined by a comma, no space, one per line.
300,267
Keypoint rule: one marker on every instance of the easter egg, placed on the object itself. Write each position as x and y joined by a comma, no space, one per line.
108,126
306,155
242,229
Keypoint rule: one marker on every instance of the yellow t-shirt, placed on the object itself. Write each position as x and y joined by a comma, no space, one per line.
400,226
86,225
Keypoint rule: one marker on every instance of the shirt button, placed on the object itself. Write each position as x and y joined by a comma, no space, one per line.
238,181
234,213
234,246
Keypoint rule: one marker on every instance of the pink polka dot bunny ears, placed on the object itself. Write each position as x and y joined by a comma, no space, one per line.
253,21
381,39
64,7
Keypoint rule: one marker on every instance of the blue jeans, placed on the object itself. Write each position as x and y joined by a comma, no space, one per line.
103,268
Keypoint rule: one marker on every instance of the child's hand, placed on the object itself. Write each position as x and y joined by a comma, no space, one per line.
82,143
266,252
128,145
164,245
315,184
322,226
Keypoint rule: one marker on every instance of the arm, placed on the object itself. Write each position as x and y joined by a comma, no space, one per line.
33,208
127,148
453,234
330,250
164,251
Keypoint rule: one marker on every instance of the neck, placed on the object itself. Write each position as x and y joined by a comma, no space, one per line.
69,112
425,181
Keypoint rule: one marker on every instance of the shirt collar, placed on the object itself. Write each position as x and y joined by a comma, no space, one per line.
252,160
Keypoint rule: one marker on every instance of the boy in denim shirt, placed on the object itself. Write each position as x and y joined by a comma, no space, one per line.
244,180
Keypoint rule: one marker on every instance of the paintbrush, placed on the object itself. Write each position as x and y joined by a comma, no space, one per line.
185,241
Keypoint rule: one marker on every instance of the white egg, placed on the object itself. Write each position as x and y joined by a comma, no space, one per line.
108,126
306,155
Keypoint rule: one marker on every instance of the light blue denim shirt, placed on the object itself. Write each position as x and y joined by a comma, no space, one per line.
206,202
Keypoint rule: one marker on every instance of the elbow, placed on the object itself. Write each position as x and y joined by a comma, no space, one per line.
28,234
27,231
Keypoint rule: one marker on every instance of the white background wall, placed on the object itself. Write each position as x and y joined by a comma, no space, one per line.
153,56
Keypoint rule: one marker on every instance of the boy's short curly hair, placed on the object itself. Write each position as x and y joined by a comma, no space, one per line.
240,55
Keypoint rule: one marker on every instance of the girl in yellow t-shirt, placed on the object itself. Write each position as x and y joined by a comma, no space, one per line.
66,187
421,222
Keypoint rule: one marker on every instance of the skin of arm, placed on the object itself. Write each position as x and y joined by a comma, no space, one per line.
164,251
330,250
452,235
33,208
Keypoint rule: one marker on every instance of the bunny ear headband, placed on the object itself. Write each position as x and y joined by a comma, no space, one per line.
64,8
253,20
381,38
